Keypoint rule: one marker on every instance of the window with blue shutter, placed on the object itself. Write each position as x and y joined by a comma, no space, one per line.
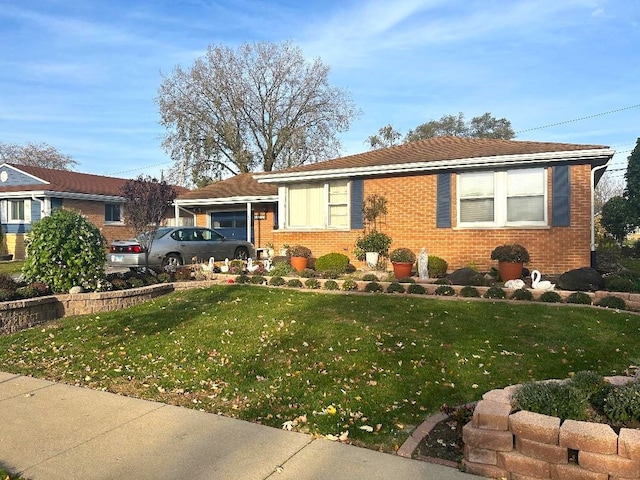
443,201
561,197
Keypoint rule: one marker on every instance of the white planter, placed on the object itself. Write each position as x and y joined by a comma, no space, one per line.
371,259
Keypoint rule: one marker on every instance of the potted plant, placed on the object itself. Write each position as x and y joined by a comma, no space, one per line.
402,260
511,258
299,257
371,246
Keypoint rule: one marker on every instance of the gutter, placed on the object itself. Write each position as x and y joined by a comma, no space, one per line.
593,219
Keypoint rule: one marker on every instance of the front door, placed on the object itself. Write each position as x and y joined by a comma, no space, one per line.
230,224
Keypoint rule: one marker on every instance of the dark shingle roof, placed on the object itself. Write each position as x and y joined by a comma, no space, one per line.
441,148
242,185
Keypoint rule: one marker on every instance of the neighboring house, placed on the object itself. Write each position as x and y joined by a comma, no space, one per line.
457,197
28,194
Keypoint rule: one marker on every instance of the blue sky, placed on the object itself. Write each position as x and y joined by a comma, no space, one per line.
82,75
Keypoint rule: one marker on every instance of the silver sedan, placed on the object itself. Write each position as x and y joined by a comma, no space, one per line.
177,246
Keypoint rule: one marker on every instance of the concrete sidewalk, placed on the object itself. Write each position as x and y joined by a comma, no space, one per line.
51,431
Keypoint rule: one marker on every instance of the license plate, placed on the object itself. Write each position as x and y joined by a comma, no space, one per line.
117,258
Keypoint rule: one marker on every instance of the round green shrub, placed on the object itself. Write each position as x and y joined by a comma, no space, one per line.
469,291
280,269
443,281
416,288
373,287
437,267
495,292
182,275
257,280
7,282
407,280
312,283
445,290
119,283
369,277
277,281
349,285
552,398
622,404
164,277
613,302
65,250
135,282
550,297
332,261
331,285
395,287
307,273
26,292
294,283
333,274
7,295
579,298
619,284
522,294
242,279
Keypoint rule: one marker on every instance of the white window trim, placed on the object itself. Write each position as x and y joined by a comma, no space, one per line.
6,211
283,213
500,204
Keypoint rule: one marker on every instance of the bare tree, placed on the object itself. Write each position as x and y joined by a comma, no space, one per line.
36,155
146,202
259,107
387,136
607,188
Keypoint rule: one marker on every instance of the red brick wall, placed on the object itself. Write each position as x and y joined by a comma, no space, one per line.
411,222
94,211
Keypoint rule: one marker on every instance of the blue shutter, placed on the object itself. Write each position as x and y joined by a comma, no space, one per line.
357,201
561,198
443,201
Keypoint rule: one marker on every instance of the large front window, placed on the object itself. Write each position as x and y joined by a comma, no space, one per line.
112,213
18,211
318,205
503,198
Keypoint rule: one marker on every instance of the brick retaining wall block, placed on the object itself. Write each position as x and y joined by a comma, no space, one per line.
629,443
490,439
592,437
542,451
491,415
523,465
535,427
574,472
483,470
611,464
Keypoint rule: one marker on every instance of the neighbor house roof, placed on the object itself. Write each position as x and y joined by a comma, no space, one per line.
443,153
64,181
237,189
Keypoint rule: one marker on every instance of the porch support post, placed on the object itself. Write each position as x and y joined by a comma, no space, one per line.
249,221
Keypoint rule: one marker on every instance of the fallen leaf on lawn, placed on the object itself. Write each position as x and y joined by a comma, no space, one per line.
367,428
343,436
333,438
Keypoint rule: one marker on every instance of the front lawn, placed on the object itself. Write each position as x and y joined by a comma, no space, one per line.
12,267
371,365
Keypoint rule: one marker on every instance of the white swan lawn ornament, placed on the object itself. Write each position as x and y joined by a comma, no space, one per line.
516,284
225,268
250,266
267,265
208,267
537,284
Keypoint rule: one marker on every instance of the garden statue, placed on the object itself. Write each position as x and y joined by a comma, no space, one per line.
423,264
538,284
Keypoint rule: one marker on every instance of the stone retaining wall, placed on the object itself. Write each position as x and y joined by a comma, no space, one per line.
500,443
21,314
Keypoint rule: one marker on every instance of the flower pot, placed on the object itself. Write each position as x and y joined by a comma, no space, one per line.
402,269
371,258
509,270
299,263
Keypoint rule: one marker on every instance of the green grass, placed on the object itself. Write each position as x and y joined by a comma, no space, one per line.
272,356
5,475
11,267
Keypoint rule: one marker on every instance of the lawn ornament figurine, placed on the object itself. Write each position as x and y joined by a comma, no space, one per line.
423,264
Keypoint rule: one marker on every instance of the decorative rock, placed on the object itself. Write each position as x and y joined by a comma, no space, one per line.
465,276
581,280
76,289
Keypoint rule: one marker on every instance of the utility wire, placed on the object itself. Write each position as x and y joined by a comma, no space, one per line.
581,118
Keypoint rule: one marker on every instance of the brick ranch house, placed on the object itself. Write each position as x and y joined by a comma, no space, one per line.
458,197
29,193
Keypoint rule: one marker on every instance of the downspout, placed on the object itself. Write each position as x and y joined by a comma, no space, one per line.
593,213
249,221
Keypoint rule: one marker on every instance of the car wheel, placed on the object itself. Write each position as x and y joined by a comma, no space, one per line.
173,259
241,253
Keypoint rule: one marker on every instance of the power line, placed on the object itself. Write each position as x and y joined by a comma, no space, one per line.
139,168
581,118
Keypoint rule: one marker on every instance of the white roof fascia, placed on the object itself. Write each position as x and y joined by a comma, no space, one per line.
457,164
15,169
69,195
225,200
